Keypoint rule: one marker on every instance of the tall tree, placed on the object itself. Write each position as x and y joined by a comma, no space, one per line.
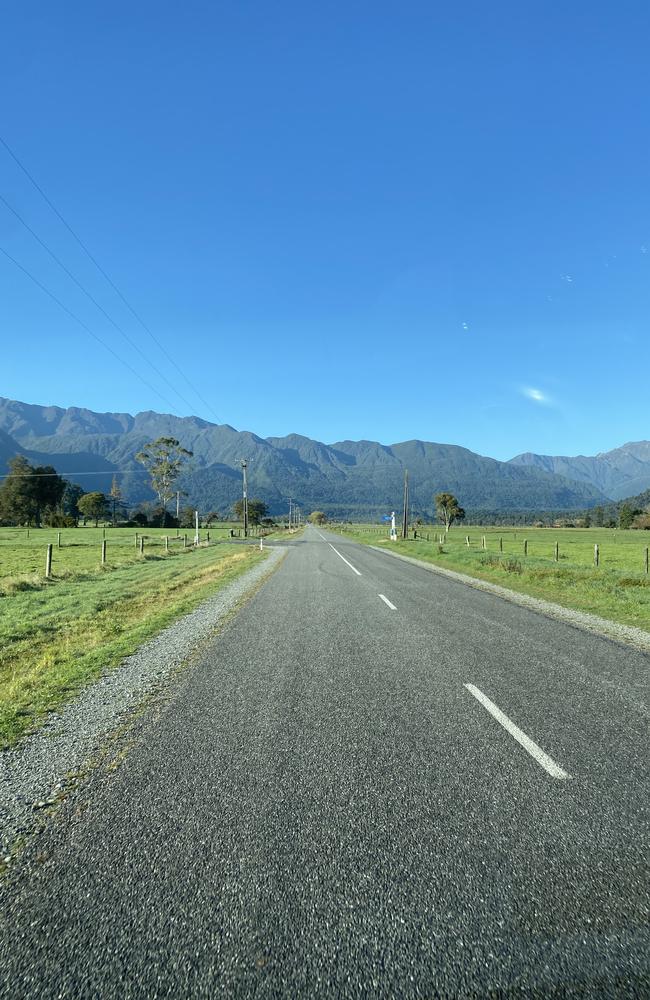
448,509
17,504
71,496
163,459
115,497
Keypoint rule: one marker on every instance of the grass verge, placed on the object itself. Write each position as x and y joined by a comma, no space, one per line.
55,639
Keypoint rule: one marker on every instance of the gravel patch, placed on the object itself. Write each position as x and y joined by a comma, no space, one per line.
34,774
627,634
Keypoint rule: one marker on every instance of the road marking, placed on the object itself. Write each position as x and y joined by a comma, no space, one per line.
536,752
323,537
354,570
386,601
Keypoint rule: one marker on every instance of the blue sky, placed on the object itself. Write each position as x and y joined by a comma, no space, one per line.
347,220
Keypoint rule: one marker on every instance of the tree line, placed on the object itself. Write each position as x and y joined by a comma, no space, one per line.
36,495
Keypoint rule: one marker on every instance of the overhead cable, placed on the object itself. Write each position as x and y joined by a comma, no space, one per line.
107,277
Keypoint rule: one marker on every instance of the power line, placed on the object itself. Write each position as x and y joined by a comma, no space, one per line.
98,472
110,319
85,327
107,278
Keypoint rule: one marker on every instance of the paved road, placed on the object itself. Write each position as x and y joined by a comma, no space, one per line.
325,809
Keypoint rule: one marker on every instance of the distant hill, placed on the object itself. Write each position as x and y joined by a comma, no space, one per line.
346,479
618,473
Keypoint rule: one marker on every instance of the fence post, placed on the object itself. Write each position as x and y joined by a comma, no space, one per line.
501,545
166,543
557,551
48,562
58,539
103,551
141,545
208,536
467,540
184,541
135,540
646,559
596,554
484,542
525,546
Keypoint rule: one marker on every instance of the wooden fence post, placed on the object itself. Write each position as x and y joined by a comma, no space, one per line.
166,543
135,540
467,540
557,551
484,542
184,541
141,545
58,539
103,551
525,546
596,554
645,559
48,562
501,545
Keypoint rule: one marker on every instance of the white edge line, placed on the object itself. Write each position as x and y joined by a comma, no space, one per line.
386,601
535,751
353,568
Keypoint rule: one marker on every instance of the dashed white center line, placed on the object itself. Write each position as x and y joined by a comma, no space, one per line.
354,570
536,752
386,601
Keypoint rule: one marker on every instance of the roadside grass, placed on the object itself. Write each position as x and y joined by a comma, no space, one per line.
618,589
57,635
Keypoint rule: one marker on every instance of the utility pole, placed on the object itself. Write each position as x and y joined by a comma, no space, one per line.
290,502
244,466
196,528
178,511
405,520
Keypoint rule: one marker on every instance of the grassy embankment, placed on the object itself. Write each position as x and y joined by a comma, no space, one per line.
618,589
57,634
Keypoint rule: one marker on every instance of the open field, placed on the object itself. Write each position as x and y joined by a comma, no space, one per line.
56,635
22,550
618,589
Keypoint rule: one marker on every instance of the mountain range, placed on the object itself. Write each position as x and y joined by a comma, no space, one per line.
346,478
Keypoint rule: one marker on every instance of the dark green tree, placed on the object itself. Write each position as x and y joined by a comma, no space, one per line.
257,509
70,500
17,503
626,515
29,491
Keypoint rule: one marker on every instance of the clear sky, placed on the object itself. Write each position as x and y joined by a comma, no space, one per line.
346,220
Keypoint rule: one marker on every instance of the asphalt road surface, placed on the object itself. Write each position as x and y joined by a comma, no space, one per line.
377,782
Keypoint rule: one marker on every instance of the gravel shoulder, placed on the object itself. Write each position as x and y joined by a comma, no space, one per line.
38,772
627,634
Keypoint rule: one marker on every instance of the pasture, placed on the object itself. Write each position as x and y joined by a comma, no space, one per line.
524,559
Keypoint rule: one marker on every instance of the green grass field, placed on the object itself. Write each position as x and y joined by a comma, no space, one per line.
57,634
618,589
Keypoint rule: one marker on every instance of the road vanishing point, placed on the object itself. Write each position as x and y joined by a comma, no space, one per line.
374,782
